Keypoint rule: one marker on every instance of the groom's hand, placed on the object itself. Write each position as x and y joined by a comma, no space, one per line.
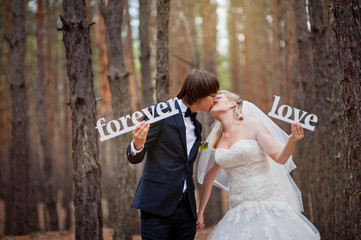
140,134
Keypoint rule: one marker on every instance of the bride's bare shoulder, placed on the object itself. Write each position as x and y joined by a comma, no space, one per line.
252,121
254,125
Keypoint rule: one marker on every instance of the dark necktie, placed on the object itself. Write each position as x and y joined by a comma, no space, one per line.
190,114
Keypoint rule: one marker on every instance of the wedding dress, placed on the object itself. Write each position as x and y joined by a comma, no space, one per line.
258,209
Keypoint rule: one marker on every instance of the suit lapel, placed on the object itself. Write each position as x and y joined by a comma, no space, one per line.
181,128
196,144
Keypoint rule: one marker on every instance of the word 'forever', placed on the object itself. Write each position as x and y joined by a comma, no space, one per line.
153,113
298,115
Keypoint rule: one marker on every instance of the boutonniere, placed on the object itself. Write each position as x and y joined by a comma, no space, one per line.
203,146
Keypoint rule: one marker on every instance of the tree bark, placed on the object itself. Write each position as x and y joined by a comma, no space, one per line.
147,88
180,58
5,102
209,24
86,164
129,60
256,40
67,167
236,46
103,63
17,200
213,212
127,218
50,194
348,34
162,77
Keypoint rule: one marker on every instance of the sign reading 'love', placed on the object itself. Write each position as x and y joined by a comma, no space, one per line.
284,113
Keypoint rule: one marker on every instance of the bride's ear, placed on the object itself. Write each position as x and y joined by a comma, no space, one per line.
232,104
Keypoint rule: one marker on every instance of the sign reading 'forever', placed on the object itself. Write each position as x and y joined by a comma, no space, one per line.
298,115
118,127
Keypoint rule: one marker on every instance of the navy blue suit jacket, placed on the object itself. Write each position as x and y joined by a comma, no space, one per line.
166,167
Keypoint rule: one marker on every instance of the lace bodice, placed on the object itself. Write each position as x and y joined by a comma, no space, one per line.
248,169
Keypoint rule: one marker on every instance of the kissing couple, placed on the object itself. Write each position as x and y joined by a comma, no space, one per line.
247,154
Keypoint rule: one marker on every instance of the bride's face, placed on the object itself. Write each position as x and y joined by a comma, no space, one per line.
222,105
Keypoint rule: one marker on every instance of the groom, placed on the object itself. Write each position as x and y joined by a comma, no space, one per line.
165,193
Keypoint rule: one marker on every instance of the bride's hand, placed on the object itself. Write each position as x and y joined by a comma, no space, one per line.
200,222
297,132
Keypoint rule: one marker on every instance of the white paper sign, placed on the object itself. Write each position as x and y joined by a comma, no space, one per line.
298,115
118,127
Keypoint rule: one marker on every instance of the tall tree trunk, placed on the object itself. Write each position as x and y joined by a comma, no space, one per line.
129,59
5,102
162,77
213,212
209,24
147,87
256,40
188,18
86,164
236,44
7,187
328,164
49,184
103,63
179,62
348,34
302,84
17,200
318,93
127,218
279,19
68,170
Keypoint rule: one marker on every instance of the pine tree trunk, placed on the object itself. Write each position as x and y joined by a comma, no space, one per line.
86,164
147,88
179,63
235,44
162,76
49,184
189,7
129,56
256,61
67,167
213,211
17,200
127,222
103,62
348,34
5,105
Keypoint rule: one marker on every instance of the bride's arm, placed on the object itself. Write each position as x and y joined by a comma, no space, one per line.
287,150
206,193
269,146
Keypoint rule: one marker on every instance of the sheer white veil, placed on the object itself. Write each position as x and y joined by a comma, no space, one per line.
280,172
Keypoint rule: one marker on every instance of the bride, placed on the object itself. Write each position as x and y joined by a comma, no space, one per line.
250,156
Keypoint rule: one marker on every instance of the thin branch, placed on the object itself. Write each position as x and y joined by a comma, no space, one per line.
185,61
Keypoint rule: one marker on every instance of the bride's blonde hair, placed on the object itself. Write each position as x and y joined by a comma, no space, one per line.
237,114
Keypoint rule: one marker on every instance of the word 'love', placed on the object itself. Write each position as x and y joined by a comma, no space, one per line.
298,115
118,127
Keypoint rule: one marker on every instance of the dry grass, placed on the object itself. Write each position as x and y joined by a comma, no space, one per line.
107,234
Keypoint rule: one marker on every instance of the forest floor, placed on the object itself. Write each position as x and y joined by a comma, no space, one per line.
107,234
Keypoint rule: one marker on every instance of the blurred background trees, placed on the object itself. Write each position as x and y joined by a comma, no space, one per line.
307,52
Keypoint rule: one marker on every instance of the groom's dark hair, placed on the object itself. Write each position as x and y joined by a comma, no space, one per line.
198,84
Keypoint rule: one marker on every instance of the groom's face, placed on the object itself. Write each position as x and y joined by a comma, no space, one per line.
221,106
205,104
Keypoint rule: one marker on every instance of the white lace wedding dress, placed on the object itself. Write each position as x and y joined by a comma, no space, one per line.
257,208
